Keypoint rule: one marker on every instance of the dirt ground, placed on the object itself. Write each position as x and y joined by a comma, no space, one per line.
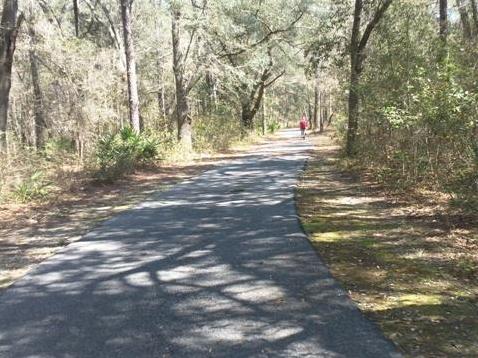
409,260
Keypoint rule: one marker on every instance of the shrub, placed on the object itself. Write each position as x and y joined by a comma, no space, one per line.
120,153
273,127
58,147
215,133
34,187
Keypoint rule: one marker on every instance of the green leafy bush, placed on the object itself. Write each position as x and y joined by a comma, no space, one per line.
58,147
35,187
120,153
215,133
273,127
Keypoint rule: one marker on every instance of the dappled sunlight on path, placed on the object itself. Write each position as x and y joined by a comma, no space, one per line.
217,266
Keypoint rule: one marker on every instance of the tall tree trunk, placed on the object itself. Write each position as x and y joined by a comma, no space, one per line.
443,20
465,19
76,15
310,111
133,98
354,79
159,63
182,103
247,119
474,13
8,35
40,123
316,100
357,46
250,105
264,124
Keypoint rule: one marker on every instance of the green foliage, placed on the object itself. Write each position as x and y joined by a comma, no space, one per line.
215,133
120,153
56,147
273,126
34,187
418,113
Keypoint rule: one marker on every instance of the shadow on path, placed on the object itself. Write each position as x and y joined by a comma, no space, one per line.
217,266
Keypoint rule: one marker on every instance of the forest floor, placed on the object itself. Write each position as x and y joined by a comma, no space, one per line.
32,232
409,260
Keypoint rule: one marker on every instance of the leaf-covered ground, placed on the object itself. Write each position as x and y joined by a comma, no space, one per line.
410,262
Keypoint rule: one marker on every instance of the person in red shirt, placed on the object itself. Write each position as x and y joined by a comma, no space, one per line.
303,124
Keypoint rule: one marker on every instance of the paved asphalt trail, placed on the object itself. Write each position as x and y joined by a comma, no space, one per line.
216,267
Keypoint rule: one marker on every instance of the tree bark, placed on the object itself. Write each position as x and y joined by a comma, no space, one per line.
465,20
316,100
246,117
133,97
76,15
474,13
184,120
9,25
443,20
357,46
40,126
354,79
250,104
264,124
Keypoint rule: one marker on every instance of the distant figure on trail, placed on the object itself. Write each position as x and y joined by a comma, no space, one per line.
303,124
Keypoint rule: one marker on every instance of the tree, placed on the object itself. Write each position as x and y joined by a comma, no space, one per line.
465,20
443,20
317,103
76,15
132,78
252,54
184,120
40,126
358,43
474,13
9,25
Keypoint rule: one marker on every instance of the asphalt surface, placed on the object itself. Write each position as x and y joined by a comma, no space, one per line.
218,266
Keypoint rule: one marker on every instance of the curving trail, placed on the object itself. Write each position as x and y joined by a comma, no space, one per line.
218,266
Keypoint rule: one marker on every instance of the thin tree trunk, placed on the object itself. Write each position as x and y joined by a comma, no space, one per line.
182,104
331,113
353,112
310,111
474,13
325,111
443,20
8,35
354,79
40,123
316,100
465,19
264,113
159,62
133,97
76,14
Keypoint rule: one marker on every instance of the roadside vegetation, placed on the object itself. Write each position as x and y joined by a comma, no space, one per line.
102,101
409,260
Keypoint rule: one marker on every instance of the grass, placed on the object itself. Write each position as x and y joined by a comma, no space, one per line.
411,266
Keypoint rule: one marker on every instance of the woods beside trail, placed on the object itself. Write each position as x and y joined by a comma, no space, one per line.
105,86
96,93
